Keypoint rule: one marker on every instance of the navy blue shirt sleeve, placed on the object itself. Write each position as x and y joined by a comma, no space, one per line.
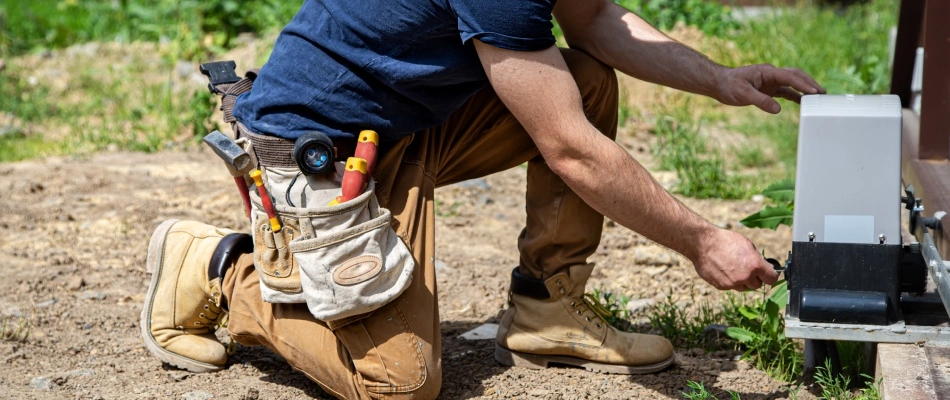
523,25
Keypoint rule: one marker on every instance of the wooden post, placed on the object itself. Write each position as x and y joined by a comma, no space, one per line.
935,100
905,49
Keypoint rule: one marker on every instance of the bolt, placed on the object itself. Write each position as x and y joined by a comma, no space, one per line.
881,238
811,236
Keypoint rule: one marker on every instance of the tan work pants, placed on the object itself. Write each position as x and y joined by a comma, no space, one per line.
395,351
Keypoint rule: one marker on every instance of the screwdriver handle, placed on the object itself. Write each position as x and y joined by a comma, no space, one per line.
354,177
265,200
367,146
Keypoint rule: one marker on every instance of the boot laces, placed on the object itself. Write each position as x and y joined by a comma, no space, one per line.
212,316
589,303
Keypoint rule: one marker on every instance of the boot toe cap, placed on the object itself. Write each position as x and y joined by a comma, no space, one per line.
202,349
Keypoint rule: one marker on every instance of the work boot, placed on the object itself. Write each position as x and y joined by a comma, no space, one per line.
551,321
183,306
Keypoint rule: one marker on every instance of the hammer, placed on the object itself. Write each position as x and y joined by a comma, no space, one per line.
237,161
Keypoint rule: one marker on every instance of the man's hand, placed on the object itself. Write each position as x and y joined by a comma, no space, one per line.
757,85
729,261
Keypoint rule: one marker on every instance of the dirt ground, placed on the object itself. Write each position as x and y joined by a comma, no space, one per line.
74,237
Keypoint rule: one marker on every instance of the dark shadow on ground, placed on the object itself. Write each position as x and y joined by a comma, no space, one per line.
276,370
466,364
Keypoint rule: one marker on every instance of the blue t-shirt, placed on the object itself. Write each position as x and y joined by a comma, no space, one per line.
394,66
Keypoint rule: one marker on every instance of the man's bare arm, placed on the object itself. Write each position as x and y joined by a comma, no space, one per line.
626,42
539,90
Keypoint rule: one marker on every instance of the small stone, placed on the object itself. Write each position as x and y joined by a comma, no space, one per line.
758,198
81,372
75,283
639,304
41,383
440,266
91,295
184,68
46,303
252,394
197,395
178,376
474,184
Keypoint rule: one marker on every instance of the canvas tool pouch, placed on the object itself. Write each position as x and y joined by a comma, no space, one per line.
341,260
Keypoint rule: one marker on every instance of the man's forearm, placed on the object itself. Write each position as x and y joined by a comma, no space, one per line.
619,187
626,42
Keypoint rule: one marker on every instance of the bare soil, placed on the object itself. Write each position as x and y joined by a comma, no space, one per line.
74,238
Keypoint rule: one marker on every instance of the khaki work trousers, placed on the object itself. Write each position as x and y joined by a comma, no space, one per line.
395,351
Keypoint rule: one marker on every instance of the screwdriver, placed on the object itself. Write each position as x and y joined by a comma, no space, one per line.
366,148
265,200
359,167
354,177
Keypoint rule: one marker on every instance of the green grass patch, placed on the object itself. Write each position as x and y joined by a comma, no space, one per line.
196,28
701,168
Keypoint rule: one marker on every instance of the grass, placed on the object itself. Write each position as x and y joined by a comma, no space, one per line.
16,329
701,168
195,28
688,330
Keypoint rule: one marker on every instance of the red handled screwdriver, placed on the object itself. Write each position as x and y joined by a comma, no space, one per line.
354,177
265,200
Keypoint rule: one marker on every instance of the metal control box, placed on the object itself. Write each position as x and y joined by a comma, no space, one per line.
846,244
848,179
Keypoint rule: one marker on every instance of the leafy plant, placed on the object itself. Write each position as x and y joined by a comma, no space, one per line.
687,330
614,308
760,328
710,17
783,194
836,387
697,391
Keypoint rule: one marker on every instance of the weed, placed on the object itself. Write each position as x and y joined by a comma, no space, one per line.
760,328
614,308
17,331
687,330
681,148
783,194
837,387
697,391
451,211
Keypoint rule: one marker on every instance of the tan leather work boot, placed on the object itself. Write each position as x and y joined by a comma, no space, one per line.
550,321
183,306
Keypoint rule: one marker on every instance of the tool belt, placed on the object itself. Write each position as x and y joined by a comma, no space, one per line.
342,260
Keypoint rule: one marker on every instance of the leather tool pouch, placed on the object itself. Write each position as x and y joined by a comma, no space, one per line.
341,260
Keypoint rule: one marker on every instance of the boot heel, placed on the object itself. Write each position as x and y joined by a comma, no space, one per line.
513,359
156,244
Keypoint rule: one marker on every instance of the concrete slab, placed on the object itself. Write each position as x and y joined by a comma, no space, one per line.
905,373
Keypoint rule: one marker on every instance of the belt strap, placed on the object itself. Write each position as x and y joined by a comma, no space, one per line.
277,152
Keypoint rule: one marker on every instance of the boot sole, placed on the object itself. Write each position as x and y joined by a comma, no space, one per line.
542,361
156,250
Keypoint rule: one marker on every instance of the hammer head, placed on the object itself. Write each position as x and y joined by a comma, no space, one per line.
233,155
